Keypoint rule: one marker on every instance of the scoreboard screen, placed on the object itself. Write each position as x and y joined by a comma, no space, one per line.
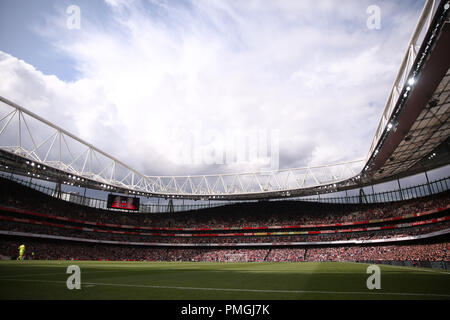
122,202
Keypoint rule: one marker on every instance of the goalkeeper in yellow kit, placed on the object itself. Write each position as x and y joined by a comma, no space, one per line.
21,252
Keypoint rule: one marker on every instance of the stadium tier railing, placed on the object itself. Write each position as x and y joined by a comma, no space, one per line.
243,230
137,230
409,193
381,241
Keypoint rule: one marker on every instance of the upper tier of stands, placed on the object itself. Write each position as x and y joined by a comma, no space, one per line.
260,215
24,210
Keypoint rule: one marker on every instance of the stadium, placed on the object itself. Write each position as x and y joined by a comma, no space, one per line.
287,234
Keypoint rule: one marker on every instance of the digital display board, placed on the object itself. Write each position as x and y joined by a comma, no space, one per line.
122,202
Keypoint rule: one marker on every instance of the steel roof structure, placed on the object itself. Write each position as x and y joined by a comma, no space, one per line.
412,136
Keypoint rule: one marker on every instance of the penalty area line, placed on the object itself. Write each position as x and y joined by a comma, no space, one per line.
238,290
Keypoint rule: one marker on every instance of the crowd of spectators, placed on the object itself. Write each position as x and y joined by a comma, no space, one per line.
254,214
51,250
434,252
232,240
288,254
270,213
217,255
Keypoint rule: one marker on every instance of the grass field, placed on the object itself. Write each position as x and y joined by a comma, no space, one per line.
224,281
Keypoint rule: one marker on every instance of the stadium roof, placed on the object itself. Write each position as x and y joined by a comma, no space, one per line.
413,136
416,136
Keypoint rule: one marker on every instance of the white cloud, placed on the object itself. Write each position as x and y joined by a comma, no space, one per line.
217,66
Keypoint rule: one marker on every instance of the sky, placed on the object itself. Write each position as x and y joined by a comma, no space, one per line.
181,87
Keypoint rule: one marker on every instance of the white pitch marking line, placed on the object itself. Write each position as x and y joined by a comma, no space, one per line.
55,274
242,290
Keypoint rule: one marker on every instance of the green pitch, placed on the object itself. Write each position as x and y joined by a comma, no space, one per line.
224,281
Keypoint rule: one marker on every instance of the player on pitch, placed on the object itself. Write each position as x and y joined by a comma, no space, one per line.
21,252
